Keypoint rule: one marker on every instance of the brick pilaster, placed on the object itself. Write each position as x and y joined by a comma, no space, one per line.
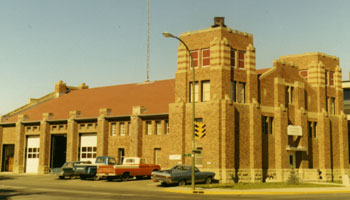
44,144
102,132
72,136
19,160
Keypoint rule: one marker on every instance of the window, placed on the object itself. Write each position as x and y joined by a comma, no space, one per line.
157,155
113,129
289,94
166,127
241,59
205,57
195,92
205,90
88,152
312,129
194,55
233,91
327,103
331,78
199,157
267,125
148,128
158,128
122,129
241,92
326,74
129,128
233,57
304,74
332,105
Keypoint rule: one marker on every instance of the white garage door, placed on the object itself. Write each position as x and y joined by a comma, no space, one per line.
88,147
32,157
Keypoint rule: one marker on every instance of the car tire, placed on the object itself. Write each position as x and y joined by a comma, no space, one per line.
208,180
125,177
82,177
61,177
139,177
164,184
182,182
109,178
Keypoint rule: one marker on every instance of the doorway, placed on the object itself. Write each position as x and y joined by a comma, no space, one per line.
121,153
58,150
8,157
292,160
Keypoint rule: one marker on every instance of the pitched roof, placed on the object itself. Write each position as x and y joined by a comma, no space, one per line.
154,96
261,71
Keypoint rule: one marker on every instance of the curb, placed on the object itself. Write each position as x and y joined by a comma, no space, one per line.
206,192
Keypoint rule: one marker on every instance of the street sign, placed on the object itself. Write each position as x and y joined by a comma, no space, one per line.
188,155
200,129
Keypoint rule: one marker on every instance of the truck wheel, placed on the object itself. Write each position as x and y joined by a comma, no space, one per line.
139,177
208,180
82,177
61,177
125,177
109,178
164,184
182,182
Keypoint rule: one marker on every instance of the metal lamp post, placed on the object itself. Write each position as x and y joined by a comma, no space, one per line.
167,35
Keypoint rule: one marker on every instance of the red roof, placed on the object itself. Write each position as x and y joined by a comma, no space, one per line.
154,96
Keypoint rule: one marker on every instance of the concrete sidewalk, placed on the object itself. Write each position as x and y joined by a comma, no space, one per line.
270,191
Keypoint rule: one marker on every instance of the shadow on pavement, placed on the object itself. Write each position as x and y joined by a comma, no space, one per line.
8,193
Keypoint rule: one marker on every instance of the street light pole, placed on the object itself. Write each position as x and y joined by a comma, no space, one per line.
167,35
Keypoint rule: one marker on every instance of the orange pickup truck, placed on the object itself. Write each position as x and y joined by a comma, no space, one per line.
131,167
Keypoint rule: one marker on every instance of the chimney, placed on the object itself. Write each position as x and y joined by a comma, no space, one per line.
60,88
219,22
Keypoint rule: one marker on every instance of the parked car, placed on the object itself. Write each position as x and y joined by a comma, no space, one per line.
68,169
182,174
89,170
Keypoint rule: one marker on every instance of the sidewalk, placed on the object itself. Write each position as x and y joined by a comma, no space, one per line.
276,191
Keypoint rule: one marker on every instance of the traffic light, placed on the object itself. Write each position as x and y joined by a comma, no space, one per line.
200,129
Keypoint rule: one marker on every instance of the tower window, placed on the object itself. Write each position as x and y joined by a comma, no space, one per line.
304,74
233,57
194,55
205,57
241,59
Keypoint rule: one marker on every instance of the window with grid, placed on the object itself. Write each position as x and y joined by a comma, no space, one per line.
88,152
205,90
158,127
33,152
149,128
122,128
195,56
241,59
113,129
267,125
205,57
233,91
195,92
233,57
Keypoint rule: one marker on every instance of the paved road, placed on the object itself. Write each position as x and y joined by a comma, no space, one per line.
48,187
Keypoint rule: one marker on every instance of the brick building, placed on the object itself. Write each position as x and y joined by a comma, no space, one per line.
260,123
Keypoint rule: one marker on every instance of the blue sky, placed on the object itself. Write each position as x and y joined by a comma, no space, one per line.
103,42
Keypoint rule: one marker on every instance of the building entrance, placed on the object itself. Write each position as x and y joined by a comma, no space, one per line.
8,152
58,150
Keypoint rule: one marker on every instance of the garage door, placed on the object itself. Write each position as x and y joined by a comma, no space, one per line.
32,157
88,147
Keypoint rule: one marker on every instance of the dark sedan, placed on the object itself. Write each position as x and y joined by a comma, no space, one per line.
181,174
68,169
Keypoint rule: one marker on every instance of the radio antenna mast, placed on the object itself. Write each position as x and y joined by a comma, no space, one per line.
148,27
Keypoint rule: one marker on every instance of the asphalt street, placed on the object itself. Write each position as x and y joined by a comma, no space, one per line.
48,187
